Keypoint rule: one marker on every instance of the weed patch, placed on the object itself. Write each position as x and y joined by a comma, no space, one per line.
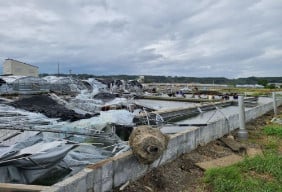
273,129
261,173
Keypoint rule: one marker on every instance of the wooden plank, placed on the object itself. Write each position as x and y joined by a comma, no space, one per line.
233,145
252,152
220,162
7,187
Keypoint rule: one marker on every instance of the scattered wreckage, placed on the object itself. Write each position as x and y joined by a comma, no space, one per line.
47,137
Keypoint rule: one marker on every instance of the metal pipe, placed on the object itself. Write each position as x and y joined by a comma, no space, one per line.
242,133
52,130
274,103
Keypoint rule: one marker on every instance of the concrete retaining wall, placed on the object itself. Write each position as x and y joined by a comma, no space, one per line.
115,171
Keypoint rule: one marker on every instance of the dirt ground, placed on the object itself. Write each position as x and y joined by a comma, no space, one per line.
183,175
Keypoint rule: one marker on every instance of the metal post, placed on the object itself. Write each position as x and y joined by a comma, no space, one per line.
274,103
242,133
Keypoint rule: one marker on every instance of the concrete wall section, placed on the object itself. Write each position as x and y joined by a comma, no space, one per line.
115,171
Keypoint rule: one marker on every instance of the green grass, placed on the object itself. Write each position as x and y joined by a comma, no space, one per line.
272,144
273,129
261,173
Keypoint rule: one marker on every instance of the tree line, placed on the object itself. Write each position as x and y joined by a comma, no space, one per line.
180,79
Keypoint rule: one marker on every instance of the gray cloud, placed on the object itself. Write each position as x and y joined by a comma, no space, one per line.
184,38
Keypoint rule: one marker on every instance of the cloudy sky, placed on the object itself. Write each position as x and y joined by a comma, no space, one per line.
200,38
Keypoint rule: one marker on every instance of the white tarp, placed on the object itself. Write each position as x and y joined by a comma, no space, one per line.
121,117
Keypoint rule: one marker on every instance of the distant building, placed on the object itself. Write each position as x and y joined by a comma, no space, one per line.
13,67
250,86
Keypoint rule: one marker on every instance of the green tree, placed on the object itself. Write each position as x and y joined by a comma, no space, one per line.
263,82
271,86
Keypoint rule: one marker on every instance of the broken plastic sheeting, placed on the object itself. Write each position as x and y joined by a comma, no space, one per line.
7,151
85,154
120,117
23,116
34,151
39,160
26,161
97,87
118,101
43,159
82,156
89,105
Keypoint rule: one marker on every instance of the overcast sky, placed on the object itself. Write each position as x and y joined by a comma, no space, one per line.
200,38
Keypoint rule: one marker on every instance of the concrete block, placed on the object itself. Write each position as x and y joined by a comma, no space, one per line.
233,122
107,176
191,141
171,150
89,179
197,136
221,128
79,185
126,167
54,189
181,142
103,175
212,131
75,183
97,179
205,133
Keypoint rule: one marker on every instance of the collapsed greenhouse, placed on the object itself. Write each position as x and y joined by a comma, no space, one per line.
23,85
65,85
80,142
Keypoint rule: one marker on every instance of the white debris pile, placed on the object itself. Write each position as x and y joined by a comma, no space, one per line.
130,86
120,117
52,79
13,116
97,87
5,88
118,101
10,79
39,158
65,84
84,100
89,105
